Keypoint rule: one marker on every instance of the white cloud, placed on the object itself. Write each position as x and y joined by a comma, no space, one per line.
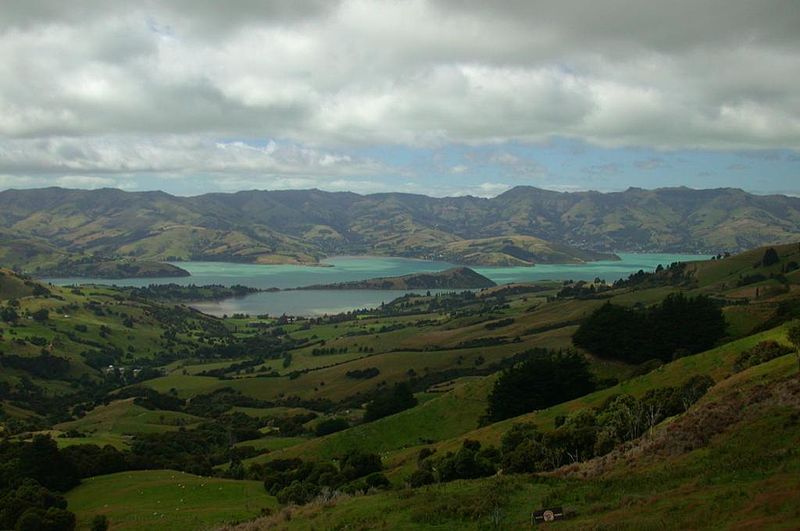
174,154
413,72
116,87
85,181
491,189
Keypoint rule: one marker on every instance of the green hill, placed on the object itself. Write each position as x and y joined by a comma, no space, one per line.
729,462
518,227
453,278
126,382
516,251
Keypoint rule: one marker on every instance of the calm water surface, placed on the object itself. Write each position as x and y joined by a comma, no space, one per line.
348,268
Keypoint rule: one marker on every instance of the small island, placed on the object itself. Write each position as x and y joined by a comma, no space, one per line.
454,278
112,269
174,293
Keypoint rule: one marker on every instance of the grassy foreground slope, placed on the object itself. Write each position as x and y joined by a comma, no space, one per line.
166,499
731,461
717,363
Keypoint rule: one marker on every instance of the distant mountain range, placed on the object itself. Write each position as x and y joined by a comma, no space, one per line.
523,226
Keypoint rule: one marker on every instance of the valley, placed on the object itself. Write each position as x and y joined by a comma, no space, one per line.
127,374
399,265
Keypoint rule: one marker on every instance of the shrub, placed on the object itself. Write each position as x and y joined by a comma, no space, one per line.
41,315
377,480
761,353
421,477
100,523
358,464
469,462
298,493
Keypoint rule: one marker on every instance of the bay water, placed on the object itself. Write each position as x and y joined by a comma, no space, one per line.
351,268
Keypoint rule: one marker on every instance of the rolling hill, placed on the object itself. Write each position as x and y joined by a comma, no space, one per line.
243,398
518,227
453,278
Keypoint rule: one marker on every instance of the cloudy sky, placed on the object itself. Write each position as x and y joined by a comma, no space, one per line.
442,97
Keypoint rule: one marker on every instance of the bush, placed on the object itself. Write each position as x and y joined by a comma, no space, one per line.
100,523
363,374
298,493
377,480
358,464
421,477
8,315
331,426
469,462
41,315
761,353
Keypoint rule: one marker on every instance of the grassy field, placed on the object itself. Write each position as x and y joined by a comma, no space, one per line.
123,417
167,500
443,417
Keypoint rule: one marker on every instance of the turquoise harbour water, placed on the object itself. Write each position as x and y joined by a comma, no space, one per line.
348,268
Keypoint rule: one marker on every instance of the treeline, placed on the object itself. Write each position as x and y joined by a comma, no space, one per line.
676,327
675,274
299,482
32,477
42,366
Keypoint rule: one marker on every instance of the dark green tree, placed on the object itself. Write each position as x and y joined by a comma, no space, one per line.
770,257
547,378
615,332
100,523
41,315
793,334
9,314
397,399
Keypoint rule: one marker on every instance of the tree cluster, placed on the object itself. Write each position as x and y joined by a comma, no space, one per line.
545,378
679,325
32,474
299,482
392,401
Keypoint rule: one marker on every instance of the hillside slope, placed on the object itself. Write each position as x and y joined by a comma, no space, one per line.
304,225
453,278
730,461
